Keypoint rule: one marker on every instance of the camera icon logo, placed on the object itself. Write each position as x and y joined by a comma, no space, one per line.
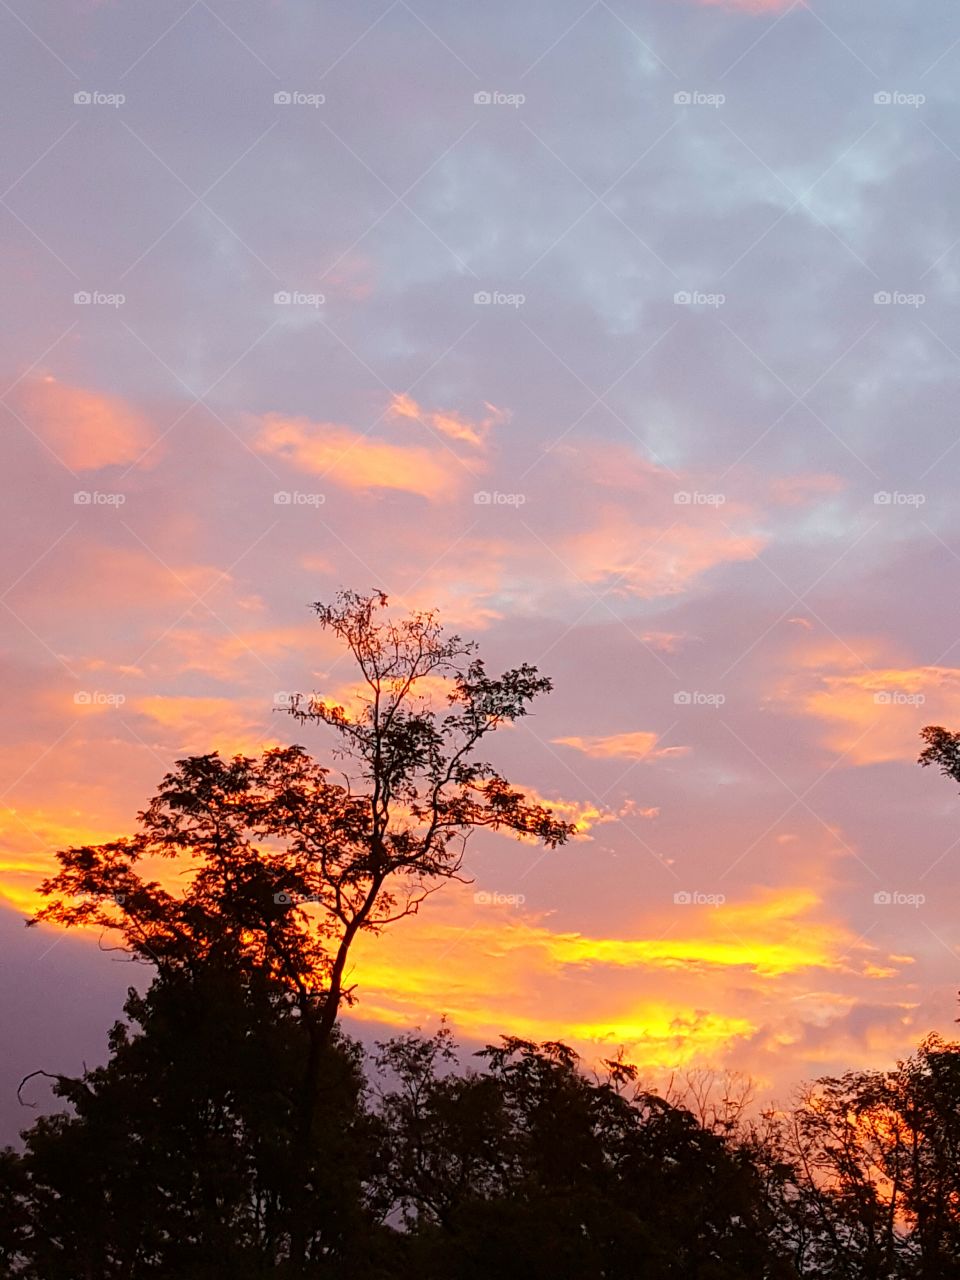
83,98
482,498
283,899
482,299
682,99
883,499
82,698
682,698
82,498
683,898
483,98
282,98
282,498
282,298
682,498
682,298
882,99
883,898
82,299
883,698
882,298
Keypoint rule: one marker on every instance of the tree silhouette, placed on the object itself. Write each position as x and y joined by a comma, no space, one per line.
178,1157
873,1190
942,749
284,868
235,1130
531,1168
425,789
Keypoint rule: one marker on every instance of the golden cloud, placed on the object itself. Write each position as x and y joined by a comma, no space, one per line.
495,970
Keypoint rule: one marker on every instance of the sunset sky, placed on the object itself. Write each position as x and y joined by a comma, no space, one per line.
624,334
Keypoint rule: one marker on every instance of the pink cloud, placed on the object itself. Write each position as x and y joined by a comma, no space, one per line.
85,429
448,423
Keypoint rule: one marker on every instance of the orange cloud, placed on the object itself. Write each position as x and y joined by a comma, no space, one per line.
630,746
873,713
87,430
199,725
355,461
450,424
584,814
29,836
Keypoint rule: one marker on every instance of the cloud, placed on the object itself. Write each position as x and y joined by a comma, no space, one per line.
86,430
630,558
872,714
354,461
584,814
196,725
450,424
639,745
127,581
691,991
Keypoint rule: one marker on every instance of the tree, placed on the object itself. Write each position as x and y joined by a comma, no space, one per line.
942,749
283,867
873,1191
529,1167
177,1156
425,789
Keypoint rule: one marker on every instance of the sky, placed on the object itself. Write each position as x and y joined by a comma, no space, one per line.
623,334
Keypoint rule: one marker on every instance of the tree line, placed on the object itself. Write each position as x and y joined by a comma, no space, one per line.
237,1131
